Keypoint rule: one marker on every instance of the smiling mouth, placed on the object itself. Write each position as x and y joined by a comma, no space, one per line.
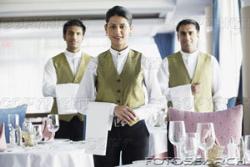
73,42
188,44
117,38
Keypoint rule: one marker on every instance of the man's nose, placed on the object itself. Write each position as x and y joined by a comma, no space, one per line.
188,37
74,36
117,31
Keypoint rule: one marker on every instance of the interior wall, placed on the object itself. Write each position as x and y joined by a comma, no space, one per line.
245,15
25,50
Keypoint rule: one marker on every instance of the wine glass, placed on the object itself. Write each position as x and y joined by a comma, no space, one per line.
190,146
28,133
206,137
247,149
37,130
13,124
13,121
177,134
52,123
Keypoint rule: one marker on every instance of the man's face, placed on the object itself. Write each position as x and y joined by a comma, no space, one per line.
74,38
188,37
118,30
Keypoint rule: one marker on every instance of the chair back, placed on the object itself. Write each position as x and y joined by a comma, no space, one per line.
227,123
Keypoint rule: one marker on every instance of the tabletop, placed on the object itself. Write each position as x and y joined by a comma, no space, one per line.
53,154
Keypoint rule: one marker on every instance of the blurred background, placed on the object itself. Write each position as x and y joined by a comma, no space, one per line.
31,33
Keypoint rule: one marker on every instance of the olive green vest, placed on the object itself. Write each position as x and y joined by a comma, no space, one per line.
124,89
178,75
65,75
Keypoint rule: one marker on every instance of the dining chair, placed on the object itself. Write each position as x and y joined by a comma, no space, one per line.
227,123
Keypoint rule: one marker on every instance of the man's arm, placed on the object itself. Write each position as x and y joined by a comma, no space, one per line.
49,79
156,101
163,77
219,101
87,89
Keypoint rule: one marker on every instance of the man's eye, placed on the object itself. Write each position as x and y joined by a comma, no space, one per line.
112,27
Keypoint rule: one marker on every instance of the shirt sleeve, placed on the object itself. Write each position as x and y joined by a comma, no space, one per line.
220,102
49,80
156,101
87,90
163,77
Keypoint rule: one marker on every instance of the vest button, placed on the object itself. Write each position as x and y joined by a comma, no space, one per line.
118,91
118,80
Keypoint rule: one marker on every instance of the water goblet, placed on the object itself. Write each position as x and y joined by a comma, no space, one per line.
247,149
37,130
13,124
206,137
177,134
52,123
190,147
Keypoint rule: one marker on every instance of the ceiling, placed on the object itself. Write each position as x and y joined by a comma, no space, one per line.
150,16
92,9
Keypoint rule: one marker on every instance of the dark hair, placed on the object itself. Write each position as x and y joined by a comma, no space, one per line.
119,11
186,22
74,22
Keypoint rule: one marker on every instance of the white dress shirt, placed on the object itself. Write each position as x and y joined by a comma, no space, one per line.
87,89
49,76
190,61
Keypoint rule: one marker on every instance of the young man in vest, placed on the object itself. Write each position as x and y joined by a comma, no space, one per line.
119,75
191,66
67,67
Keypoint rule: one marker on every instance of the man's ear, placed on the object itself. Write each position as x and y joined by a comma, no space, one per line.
64,37
105,28
178,36
131,29
198,35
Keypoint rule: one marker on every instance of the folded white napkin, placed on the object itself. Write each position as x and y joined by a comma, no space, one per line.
182,97
66,97
99,122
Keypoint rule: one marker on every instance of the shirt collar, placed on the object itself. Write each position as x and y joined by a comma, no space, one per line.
190,55
123,52
73,55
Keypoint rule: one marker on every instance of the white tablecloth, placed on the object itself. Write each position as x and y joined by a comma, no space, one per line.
68,154
53,154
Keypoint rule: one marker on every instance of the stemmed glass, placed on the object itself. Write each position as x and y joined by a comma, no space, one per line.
177,134
206,137
37,130
13,124
28,133
52,123
190,146
247,149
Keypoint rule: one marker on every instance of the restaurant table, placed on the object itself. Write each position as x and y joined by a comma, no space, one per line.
57,153
66,153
